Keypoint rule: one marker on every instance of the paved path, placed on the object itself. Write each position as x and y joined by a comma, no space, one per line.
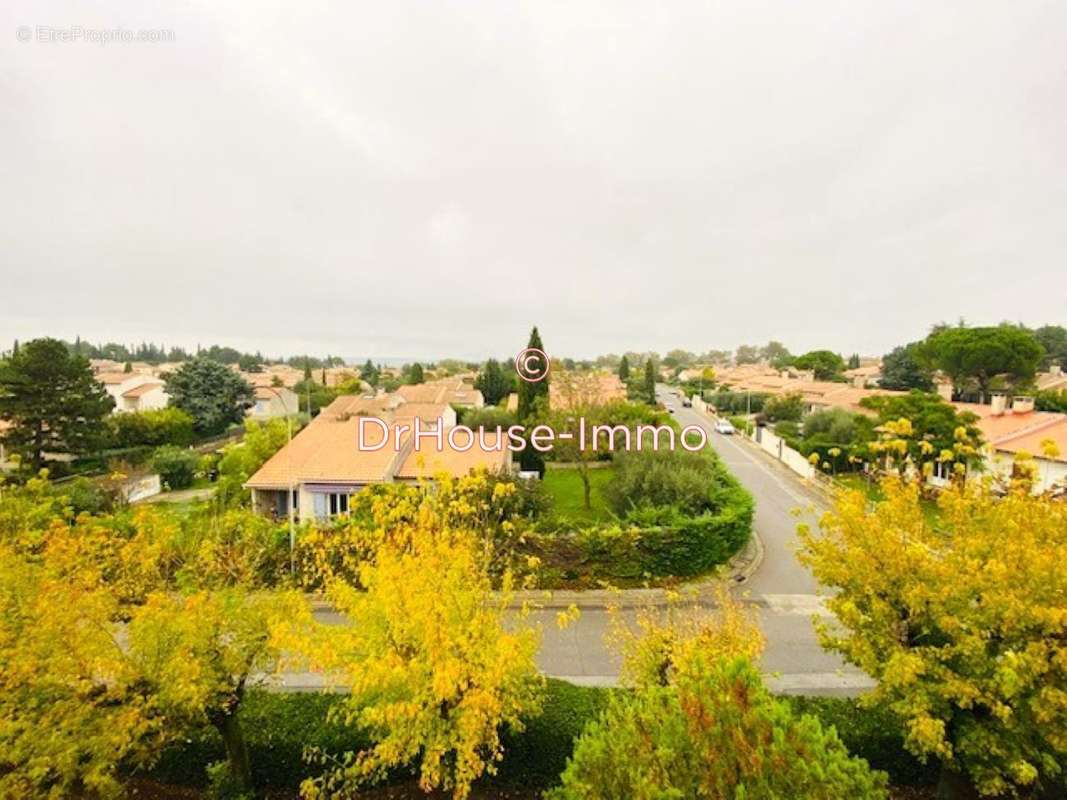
180,496
781,590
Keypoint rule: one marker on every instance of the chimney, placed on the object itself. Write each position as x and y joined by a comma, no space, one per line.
859,382
1022,405
944,390
1055,369
999,404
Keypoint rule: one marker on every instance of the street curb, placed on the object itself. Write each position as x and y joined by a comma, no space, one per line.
736,573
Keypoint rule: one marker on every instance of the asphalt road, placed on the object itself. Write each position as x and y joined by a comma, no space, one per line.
782,592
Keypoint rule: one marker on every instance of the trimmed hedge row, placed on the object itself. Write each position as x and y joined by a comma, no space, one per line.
280,726
651,543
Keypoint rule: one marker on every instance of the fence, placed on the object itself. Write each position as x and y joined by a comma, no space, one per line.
771,443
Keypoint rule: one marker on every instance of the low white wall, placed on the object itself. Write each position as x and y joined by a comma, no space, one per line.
140,488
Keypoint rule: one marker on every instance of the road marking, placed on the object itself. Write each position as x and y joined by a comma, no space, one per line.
799,604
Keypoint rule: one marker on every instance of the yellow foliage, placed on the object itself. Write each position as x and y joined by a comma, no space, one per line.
432,670
663,641
962,620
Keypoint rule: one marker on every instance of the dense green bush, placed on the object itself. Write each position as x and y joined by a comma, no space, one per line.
680,514
651,543
176,466
742,424
278,726
149,428
870,733
713,731
784,407
87,497
688,482
727,402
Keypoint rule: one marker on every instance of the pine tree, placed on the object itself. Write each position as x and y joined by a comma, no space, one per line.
493,383
624,369
52,399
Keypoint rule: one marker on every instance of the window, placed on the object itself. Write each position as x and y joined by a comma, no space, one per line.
338,503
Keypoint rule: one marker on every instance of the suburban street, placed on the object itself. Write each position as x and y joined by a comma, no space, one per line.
781,590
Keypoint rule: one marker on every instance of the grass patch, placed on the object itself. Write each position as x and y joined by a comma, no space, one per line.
565,488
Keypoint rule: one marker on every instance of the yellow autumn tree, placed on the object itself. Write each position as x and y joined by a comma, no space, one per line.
433,672
72,705
196,653
962,619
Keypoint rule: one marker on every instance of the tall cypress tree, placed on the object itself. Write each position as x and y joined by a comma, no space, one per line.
650,382
529,393
624,369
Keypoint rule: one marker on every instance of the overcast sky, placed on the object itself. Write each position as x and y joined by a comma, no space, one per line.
424,179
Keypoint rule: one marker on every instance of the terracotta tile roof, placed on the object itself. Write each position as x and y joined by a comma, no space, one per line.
427,412
1046,381
590,389
430,461
1005,431
1032,439
447,390
113,378
326,451
142,389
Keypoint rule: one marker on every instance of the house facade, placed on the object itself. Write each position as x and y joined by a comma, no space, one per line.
325,464
133,391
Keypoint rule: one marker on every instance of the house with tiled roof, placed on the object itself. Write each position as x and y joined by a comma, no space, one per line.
451,391
1011,427
360,440
134,391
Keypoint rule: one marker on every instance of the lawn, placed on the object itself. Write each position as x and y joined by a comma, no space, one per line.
564,486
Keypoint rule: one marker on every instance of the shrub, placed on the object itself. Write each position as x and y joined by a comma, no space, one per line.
688,482
176,466
149,428
714,731
743,424
652,543
784,407
85,496
738,402
488,417
279,725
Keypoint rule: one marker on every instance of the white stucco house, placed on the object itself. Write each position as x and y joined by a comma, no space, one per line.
133,391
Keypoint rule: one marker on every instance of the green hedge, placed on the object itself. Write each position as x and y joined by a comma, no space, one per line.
651,542
279,726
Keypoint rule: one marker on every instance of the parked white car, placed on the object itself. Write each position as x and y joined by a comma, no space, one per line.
725,427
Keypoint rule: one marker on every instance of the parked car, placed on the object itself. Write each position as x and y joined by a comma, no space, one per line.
687,403
725,427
